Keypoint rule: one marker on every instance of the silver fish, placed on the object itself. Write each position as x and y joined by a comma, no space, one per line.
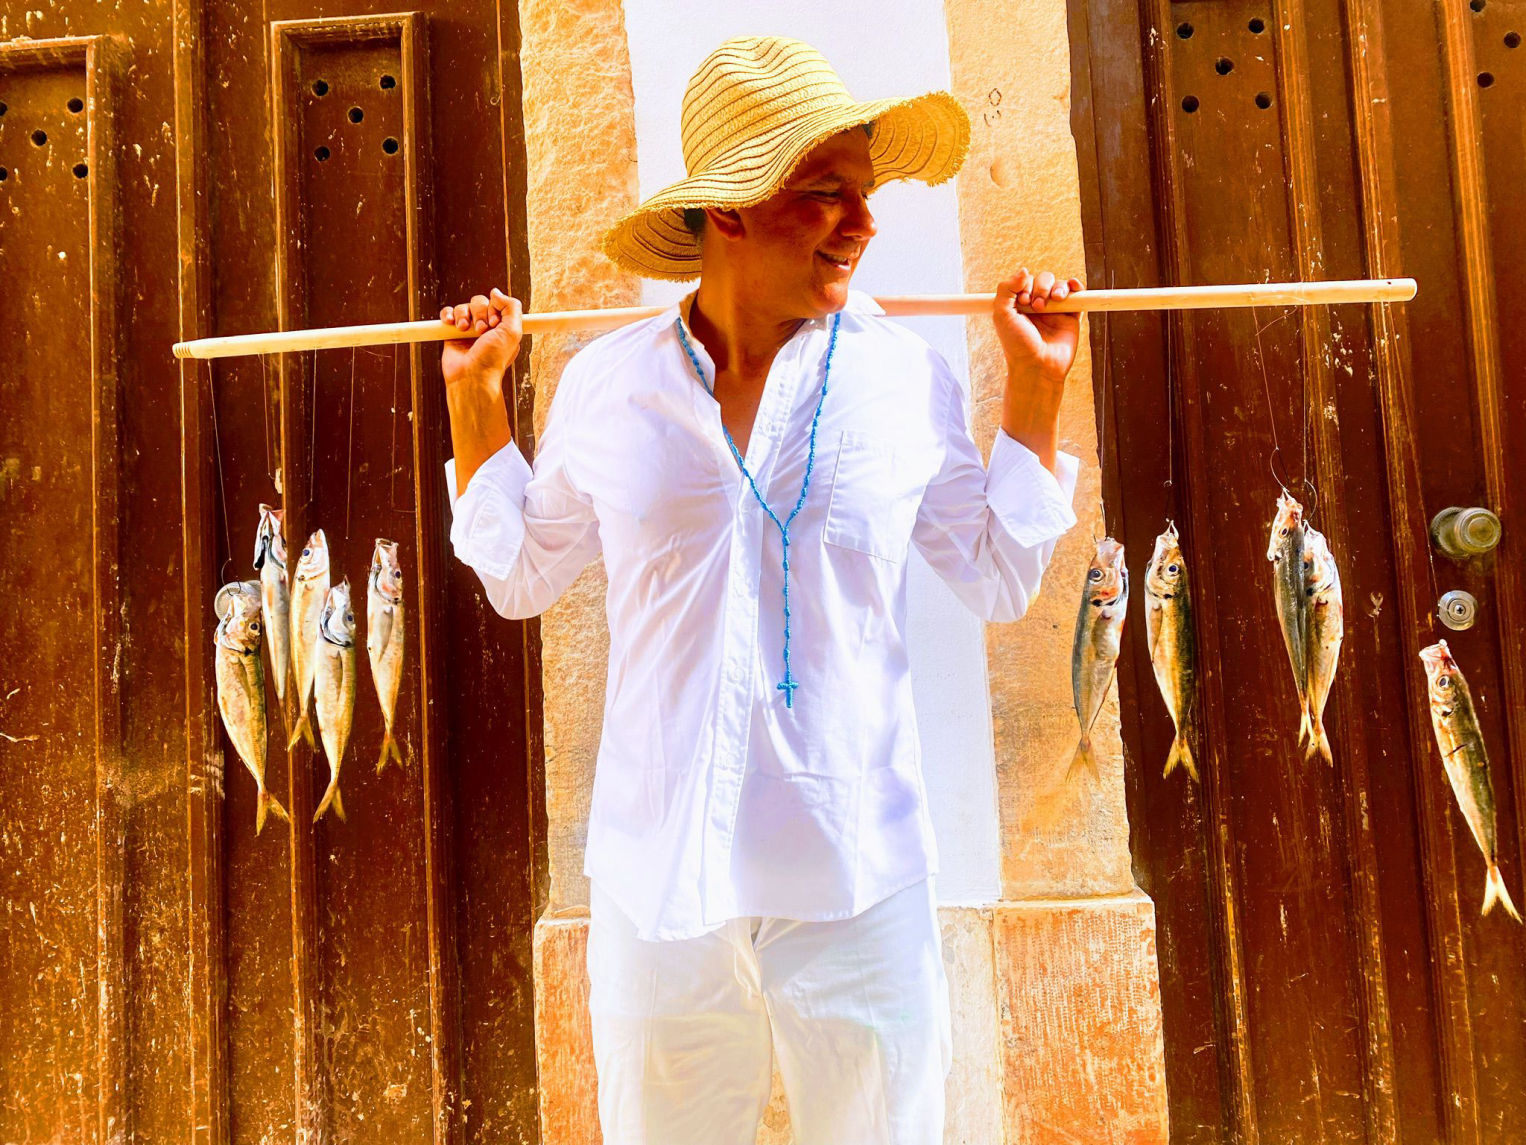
241,685
1461,743
1099,629
1286,554
334,687
384,637
309,590
275,598
1325,627
1173,643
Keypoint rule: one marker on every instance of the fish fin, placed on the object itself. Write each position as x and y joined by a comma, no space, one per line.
330,799
1494,891
1305,731
1084,755
303,730
1319,744
1181,753
388,751
268,803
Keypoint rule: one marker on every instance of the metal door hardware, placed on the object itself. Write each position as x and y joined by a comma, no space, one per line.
1457,609
1465,532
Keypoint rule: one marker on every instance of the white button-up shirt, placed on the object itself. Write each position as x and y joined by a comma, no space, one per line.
712,800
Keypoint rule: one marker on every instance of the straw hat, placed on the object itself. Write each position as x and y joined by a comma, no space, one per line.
752,111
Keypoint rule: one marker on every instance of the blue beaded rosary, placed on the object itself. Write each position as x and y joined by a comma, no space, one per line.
788,684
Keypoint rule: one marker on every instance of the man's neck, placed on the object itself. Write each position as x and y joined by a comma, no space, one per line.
741,336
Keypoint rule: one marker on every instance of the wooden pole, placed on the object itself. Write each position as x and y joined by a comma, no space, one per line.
1272,294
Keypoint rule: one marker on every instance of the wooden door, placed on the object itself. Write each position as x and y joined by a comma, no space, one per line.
1326,975
186,169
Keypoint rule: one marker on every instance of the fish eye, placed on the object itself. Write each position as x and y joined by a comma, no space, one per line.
254,626
1284,531
1173,569
1443,681
350,617
1095,574
307,552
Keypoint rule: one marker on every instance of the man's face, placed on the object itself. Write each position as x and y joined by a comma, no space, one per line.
799,248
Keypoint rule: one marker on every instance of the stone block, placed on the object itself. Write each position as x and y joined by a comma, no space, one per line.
1083,1052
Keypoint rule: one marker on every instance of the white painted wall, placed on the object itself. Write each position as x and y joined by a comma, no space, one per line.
903,50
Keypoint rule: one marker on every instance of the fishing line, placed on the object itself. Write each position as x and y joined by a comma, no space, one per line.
1107,358
349,459
392,468
312,438
222,492
270,469
1266,385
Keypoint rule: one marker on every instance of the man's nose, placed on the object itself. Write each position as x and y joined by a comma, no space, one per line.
858,220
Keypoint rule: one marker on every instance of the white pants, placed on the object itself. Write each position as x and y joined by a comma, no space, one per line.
855,1012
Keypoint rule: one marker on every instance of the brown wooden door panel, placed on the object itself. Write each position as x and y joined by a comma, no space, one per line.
1325,973
338,981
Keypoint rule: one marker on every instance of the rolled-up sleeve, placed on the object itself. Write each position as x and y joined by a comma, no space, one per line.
526,532
989,532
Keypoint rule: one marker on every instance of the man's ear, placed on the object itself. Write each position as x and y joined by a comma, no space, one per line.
727,224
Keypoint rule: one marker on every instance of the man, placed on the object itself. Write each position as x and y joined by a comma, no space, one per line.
754,466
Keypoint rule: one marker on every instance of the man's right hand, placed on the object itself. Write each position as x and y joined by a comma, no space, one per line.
473,366
491,329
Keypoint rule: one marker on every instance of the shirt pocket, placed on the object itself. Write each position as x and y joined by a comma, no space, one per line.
872,506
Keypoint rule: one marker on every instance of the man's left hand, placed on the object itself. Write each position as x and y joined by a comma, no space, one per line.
1039,349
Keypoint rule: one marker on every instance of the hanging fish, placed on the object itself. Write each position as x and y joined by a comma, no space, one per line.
1286,554
1461,743
384,637
1099,628
1173,643
275,597
334,687
1325,626
309,590
241,685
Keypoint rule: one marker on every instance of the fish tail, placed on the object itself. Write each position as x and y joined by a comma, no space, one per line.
1305,730
1181,753
388,751
303,730
1319,743
1494,891
331,799
268,803
1084,756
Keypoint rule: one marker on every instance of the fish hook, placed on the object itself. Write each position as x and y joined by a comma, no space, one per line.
1271,464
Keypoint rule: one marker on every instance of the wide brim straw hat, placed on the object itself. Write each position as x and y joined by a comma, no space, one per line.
754,109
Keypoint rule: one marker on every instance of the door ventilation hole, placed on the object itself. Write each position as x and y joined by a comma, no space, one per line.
4,174
40,138
1223,66
1512,39
1485,79
320,87
356,115
389,145
1476,5
1263,100
1189,105
388,82
1258,25
1184,31
2,109
321,154
76,105
81,170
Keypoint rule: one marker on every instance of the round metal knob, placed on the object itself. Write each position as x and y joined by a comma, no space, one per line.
1469,532
1457,609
